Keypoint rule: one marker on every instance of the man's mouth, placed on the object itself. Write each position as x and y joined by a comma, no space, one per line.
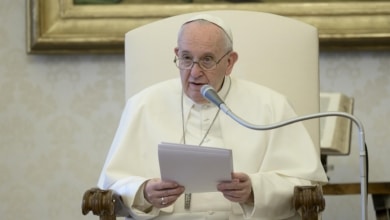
197,84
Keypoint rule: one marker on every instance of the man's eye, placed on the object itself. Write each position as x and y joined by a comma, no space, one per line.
207,59
186,58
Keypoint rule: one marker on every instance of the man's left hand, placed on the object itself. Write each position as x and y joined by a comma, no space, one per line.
238,190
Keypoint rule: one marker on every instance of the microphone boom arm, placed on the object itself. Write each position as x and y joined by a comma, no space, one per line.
363,153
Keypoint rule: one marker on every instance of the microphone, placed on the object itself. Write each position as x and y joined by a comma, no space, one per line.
210,94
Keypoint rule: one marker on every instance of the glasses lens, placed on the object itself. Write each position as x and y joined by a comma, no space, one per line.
183,63
207,64
186,63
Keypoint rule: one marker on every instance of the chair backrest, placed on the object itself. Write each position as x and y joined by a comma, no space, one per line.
275,51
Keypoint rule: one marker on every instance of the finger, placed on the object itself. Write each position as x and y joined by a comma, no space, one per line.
164,185
237,195
242,177
164,201
156,187
168,196
234,185
233,198
171,192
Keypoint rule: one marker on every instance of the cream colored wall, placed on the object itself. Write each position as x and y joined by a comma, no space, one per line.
366,77
58,115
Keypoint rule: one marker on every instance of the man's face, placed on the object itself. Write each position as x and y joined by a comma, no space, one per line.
203,41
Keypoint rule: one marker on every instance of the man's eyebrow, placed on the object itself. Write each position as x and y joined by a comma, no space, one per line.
184,52
206,54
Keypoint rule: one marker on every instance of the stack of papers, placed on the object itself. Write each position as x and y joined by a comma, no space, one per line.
197,168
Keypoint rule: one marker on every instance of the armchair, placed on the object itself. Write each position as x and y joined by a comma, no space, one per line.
308,202
275,51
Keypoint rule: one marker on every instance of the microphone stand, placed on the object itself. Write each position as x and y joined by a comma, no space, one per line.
363,153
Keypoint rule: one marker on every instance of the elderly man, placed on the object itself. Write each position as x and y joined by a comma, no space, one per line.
267,164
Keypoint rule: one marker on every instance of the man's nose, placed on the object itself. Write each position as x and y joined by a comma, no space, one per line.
196,70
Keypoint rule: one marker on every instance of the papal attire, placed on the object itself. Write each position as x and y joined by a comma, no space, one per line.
275,160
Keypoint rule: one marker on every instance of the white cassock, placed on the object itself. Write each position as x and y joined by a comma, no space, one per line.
275,160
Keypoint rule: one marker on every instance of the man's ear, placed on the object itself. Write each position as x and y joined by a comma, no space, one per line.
233,57
176,51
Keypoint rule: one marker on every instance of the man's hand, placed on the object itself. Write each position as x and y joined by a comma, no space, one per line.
238,190
161,193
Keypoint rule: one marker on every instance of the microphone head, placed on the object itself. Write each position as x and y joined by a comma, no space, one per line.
210,94
205,89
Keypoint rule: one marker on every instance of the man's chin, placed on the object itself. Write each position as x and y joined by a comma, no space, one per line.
198,99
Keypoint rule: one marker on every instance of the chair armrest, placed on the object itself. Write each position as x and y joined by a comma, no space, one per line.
308,201
104,203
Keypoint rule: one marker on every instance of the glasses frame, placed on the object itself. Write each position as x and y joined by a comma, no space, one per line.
176,59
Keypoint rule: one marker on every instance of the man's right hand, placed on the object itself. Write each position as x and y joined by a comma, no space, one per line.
161,193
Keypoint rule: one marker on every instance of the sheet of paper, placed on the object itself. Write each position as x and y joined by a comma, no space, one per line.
197,168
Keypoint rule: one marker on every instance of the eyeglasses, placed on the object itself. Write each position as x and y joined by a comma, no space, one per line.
205,63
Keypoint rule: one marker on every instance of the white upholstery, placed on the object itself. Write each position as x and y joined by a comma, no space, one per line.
275,51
